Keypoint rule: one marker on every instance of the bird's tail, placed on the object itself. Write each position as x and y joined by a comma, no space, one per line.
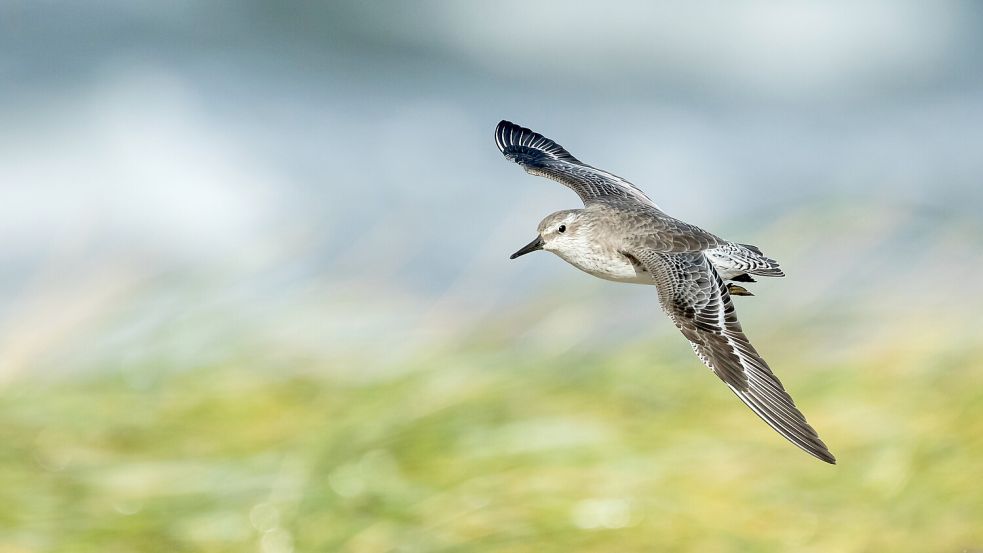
761,264
740,261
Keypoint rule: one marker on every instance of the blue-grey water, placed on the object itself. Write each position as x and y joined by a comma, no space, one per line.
179,178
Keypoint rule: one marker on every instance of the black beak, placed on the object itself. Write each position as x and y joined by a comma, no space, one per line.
536,244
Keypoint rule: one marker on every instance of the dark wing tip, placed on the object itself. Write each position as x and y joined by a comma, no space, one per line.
782,415
528,147
775,407
819,451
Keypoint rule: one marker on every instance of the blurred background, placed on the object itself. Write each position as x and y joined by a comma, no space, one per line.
255,292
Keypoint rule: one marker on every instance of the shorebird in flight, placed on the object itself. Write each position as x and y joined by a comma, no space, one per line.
621,235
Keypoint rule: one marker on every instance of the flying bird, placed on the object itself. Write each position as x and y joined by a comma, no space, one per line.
621,235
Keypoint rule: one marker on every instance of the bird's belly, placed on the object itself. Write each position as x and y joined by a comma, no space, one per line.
617,268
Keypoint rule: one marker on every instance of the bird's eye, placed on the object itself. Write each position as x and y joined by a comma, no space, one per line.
562,228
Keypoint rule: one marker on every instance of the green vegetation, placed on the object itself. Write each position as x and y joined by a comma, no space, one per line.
479,450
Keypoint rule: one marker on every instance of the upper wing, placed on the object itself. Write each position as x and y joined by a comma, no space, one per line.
541,156
697,300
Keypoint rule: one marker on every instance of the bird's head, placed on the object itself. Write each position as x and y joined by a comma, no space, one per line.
556,232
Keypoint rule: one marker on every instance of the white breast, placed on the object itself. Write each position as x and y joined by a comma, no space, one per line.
609,266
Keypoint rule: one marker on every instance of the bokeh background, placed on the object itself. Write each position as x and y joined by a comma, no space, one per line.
255,294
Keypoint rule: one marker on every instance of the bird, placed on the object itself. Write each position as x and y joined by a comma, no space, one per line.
623,236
